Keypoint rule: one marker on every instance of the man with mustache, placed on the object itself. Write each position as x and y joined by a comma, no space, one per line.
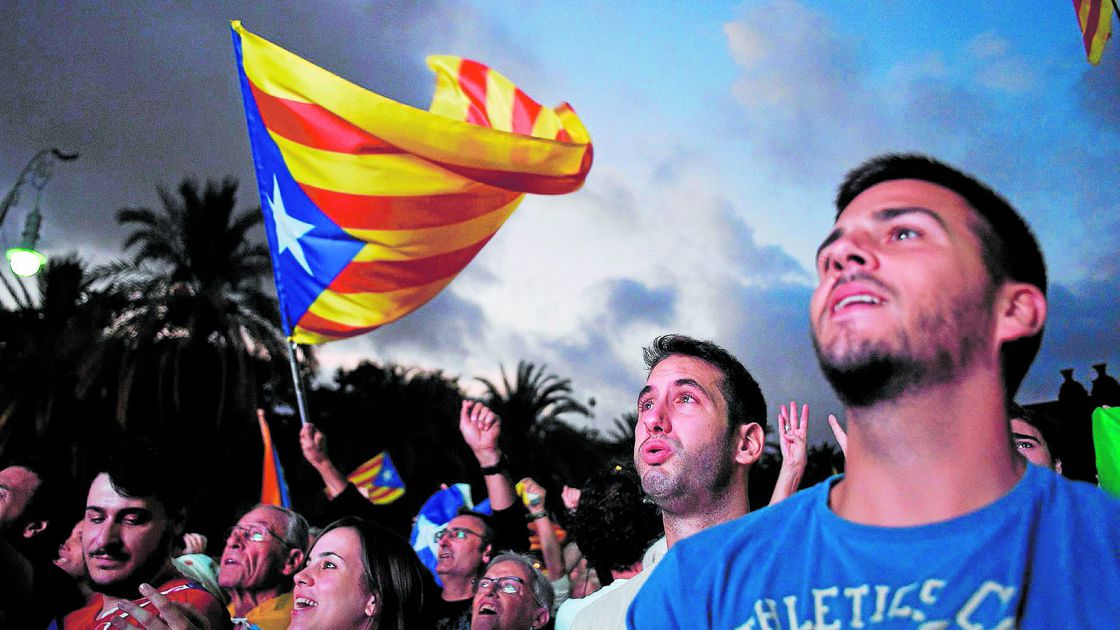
929,310
135,510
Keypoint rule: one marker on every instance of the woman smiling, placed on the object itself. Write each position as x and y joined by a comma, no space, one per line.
359,576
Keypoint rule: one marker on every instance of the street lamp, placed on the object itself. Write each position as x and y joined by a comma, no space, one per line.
25,260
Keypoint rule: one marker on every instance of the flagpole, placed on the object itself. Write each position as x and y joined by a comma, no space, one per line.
301,402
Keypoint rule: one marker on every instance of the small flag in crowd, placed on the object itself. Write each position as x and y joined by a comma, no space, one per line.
434,515
372,207
1106,443
378,480
274,489
1095,19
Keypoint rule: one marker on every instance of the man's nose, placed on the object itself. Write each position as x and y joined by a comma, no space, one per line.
853,250
656,419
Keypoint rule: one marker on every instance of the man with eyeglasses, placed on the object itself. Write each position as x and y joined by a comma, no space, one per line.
511,595
263,551
464,549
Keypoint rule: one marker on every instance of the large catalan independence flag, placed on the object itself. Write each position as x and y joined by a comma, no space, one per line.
372,207
378,480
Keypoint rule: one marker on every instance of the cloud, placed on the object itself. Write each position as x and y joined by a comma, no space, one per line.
1099,90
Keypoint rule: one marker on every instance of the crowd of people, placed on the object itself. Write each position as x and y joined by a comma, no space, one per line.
951,512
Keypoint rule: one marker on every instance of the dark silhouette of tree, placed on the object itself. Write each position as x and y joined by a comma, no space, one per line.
532,406
45,358
199,327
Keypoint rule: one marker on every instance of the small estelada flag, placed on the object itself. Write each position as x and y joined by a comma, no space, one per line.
378,480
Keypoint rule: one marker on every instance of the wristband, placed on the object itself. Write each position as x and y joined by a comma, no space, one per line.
535,515
496,469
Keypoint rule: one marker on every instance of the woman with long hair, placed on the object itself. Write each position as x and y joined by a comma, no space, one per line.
359,576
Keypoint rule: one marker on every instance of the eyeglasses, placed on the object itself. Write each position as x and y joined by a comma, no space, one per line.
254,533
508,584
459,533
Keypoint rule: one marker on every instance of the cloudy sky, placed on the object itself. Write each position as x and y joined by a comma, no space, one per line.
720,128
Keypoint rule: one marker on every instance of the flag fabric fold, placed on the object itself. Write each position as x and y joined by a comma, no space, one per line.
371,206
378,480
1095,19
1106,445
274,488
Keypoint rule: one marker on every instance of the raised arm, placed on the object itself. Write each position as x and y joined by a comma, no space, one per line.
314,446
542,522
793,431
481,428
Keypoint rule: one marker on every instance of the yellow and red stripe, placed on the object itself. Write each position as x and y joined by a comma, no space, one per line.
1095,19
424,190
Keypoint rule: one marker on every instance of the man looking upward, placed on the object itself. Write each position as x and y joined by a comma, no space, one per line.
929,310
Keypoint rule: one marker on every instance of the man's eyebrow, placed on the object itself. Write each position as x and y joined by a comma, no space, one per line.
1024,436
683,382
886,214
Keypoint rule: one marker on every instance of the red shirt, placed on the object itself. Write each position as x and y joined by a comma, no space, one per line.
179,590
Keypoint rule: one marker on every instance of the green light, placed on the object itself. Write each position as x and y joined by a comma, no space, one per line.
25,262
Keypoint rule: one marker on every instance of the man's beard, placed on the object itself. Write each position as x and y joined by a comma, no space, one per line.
877,371
129,587
711,465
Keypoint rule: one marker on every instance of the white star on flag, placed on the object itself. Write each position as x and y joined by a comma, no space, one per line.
288,228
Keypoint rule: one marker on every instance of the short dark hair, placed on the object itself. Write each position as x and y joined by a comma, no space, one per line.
745,403
140,468
1047,427
1007,245
487,523
391,569
614,523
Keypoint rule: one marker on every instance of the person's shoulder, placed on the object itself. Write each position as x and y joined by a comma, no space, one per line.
734,533
1081,503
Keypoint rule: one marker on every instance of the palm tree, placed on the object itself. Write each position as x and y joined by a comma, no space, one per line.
532,408
198,327
45,357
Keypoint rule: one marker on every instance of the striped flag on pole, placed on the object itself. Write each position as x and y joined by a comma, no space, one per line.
1095,19
372,207
274,489
378,480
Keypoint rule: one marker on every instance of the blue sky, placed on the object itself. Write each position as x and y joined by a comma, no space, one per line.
721,130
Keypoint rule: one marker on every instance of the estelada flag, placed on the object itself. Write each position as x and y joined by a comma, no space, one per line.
378,479
274,488
1095,19
372,207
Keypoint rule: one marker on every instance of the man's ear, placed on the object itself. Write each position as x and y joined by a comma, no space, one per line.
486,553
1021,311
293,562
1057,465
34,528
749,440
540,619
373,606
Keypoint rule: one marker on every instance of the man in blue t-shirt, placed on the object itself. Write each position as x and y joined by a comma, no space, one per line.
929,310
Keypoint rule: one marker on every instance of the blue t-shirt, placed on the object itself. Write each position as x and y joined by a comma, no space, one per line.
1046,555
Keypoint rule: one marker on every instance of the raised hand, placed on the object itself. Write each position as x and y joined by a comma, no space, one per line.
534,494
570,496
839,433
314,445
168,615
193,543
481,428
793,432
